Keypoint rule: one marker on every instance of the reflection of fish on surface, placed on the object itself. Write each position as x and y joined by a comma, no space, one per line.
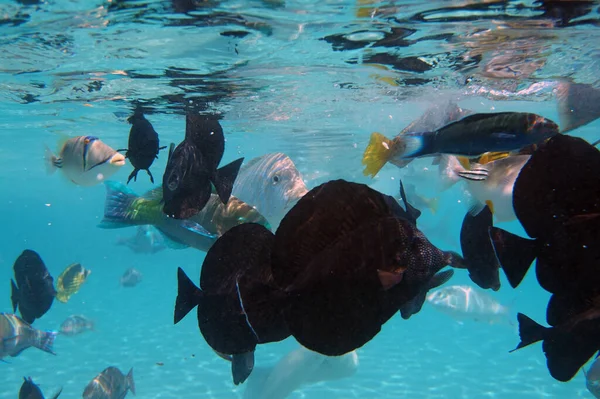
123,208
147,240
110,384
297,368
84,160
17,335
463,302
271,184
70,280
29,390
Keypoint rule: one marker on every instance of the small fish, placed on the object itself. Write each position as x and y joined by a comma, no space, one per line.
123,208
477,249
475,135
70,280
111,383
420,201
192,169
143,145
130,278
34,292
271,184
76,324
29,390
147,240
491,184
382,150
553,206
85,160
592,378
463,302
16,335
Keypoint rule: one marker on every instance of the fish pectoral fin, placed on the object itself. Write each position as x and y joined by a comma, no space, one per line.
197,228
57,394
389,279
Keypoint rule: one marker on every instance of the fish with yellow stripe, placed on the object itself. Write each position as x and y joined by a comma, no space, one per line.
70,280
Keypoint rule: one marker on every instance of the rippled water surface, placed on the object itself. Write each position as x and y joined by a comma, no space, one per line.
309,78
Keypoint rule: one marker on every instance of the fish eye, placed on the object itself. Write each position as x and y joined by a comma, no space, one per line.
275,179
89,139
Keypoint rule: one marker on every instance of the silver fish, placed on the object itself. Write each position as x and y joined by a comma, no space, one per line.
147,240
110,384
592,378
76,324
271,184
85,160
490,184
130,278
463,302
16,335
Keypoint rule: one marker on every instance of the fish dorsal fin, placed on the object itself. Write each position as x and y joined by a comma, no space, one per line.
171,149
57,394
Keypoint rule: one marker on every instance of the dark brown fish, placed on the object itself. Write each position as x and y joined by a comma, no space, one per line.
192,169
33,292
348,262
234,311
478,251
29,390
547,198
110,384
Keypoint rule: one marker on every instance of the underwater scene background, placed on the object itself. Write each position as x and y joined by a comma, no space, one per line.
311,79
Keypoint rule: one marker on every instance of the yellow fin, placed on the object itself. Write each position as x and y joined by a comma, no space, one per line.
377,153
490,205
492,156
433,204
464,162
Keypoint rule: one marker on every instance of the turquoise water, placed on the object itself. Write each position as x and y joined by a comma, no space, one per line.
76,67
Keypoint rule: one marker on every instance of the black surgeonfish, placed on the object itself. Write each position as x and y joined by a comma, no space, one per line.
33,292
192,168
143,145
233,281
574,335
29,390
478,251
560,209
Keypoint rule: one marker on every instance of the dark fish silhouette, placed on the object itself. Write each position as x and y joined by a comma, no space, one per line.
477,134
414,306
29,390
143,146
192,168
560,210
572,339
348,261
234,312
33,292
111,383
478,251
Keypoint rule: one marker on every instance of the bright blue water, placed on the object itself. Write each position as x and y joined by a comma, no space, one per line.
75,68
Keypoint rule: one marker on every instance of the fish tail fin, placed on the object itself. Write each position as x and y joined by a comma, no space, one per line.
57,394
434,204
51,161
45,341
578,105
530,332
455,260
133,175
123,208
225,178
377,153
515,254
14,295
130,382
188,296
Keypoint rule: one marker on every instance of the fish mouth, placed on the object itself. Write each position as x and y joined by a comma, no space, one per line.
294,195
117,160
